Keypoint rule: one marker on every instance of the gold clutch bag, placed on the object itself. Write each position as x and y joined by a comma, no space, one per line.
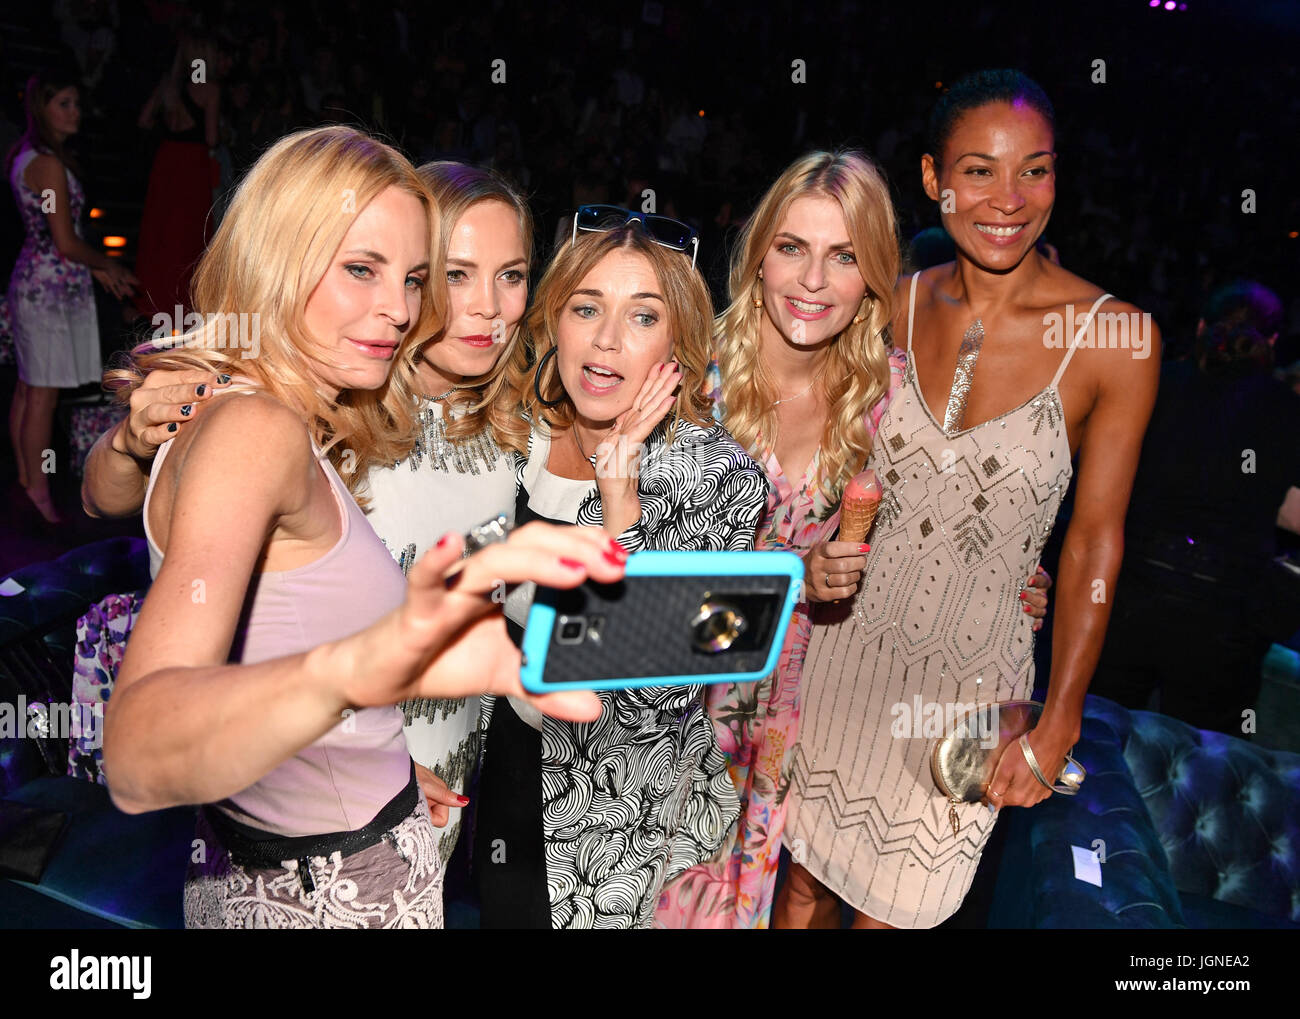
963,762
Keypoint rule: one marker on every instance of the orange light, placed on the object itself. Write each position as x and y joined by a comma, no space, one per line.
1294,234
113,241
701,113
96,213
113,253
938,84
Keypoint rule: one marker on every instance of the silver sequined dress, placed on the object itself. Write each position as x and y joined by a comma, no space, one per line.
936,624
442,486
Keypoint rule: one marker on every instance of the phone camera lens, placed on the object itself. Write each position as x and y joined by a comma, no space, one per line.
571,630
716,626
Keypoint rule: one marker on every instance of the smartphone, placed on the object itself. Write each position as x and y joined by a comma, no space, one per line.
675,619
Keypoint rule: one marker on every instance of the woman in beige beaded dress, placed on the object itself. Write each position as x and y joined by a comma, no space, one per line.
973,475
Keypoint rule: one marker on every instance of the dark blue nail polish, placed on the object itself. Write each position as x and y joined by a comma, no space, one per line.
171,427
187,409
201,390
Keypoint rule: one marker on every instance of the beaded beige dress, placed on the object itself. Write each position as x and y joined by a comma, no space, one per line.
936,625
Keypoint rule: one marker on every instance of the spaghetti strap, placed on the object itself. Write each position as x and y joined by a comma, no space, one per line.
911,312
1074,344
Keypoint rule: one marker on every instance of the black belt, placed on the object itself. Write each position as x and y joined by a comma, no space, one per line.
251,847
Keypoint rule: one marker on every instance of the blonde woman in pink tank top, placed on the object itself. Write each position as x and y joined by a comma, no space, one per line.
262,677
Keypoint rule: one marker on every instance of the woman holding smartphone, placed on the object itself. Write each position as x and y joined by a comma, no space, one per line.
236,690
454,477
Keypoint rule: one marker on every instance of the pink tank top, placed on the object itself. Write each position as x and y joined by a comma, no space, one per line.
340,782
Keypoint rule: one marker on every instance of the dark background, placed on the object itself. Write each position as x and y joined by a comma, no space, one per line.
696,101
1198,104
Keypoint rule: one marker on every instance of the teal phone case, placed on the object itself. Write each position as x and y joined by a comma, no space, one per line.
645,637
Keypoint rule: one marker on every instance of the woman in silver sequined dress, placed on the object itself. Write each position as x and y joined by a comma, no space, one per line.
973,475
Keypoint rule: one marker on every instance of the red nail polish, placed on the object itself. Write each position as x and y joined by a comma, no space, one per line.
614,559
864,548
1023,596
1025,607
617,550
462,800
443,540
572,564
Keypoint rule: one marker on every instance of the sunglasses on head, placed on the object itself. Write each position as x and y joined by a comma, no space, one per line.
671,233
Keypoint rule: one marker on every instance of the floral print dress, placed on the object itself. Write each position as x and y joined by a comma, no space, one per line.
756,722
51,298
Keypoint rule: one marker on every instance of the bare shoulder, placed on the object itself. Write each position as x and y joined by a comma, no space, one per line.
925,283
927,279
44,171
247,436
1060,287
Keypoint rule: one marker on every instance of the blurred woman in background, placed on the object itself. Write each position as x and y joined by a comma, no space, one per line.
56,332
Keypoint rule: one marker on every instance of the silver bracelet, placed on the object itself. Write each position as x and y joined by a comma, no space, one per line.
1072,773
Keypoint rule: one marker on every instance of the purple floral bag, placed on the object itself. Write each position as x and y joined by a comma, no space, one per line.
101,642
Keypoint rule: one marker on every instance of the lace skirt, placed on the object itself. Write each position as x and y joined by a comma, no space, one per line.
397,882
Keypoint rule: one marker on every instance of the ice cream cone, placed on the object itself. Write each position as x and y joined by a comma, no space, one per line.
859,506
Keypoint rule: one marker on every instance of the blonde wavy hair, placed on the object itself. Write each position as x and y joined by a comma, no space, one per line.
856,372
690,314
275,243
457,187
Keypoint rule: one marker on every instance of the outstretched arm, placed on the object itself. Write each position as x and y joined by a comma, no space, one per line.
184,727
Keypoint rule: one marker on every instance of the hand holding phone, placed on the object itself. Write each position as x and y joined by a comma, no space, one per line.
675,619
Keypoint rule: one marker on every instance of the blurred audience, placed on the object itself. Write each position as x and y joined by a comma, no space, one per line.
1196,605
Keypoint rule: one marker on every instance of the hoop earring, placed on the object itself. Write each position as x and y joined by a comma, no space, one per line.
758,300
537,380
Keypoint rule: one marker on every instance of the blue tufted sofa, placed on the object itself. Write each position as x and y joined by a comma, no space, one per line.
109,869
1197,829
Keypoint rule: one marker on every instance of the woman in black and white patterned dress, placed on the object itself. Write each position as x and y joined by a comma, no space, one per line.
580,825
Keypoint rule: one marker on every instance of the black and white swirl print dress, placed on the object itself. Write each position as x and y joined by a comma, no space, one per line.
640,795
